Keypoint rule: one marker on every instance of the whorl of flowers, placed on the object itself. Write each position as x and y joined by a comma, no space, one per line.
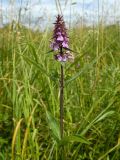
60,41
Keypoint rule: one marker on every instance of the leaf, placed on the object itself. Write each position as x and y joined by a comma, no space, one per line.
2,156
34,52
100,117
54,126
107,114
39,66
50,51
68,49
74,138
14,136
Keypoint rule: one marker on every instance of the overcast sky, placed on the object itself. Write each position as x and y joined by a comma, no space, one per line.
44,11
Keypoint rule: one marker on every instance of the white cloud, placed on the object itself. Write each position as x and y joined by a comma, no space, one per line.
47,9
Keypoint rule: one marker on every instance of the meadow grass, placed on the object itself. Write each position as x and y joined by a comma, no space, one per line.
29,91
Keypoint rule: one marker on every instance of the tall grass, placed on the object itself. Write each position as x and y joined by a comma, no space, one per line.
29,91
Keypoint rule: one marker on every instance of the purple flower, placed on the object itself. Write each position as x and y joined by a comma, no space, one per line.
67,56
61,58
60,41
65,44
60,38
54,46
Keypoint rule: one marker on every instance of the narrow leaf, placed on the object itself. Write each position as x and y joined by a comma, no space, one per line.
38,66
54,126
74,138
33,52
50,51
107,114
68,49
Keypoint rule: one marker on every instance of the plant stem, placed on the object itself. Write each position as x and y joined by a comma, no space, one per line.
61,100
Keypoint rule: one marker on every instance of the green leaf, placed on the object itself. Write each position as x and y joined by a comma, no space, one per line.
107,114
54,126
38,66
2,156
50,51
33,52
74,138
68,49
100,117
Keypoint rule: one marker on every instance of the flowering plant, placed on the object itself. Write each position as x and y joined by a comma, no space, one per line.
60,41
60,44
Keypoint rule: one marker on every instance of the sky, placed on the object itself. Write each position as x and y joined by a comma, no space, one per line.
41,13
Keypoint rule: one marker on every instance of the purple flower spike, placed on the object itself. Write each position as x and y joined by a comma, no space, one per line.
61,58
60,41
60,38
64,57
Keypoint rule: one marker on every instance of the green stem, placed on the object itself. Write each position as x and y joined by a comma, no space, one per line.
61,102
61,98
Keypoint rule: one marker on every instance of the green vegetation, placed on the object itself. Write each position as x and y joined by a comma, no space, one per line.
29,95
